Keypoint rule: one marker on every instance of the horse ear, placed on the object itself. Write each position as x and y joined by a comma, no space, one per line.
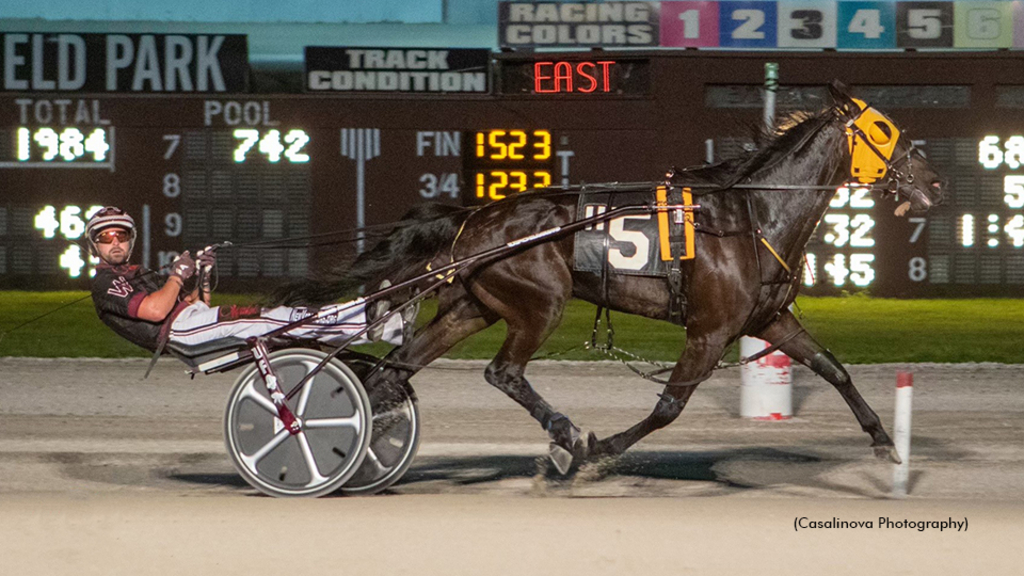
840,92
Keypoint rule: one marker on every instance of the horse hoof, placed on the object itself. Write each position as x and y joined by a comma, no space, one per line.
888,453
600,449
560,457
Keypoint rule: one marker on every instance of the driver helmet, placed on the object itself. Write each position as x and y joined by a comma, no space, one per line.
105,219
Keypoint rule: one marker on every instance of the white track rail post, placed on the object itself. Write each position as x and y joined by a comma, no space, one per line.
766,392
904,398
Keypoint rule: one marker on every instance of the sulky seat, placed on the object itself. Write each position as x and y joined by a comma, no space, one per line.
215,355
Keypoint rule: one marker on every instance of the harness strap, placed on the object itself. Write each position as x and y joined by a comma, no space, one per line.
776,254
676,298
609,330
755,233
458,235
450,274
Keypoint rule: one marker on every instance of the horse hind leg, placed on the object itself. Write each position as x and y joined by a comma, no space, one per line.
532,309
800,346
505,373
459,316
527,330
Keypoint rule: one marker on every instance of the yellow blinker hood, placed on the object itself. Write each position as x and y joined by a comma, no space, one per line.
872,149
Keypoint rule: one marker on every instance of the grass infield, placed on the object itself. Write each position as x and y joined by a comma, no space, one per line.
858,329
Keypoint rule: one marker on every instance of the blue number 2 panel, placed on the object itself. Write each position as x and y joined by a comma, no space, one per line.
747,24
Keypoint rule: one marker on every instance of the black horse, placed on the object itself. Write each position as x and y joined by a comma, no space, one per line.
778,192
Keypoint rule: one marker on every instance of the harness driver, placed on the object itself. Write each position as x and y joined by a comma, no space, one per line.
143,306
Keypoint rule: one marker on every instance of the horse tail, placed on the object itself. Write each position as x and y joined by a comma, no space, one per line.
402,254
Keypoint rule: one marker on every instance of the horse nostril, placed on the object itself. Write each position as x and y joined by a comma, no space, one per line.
938,189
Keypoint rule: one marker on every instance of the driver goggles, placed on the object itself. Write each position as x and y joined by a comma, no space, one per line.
108,236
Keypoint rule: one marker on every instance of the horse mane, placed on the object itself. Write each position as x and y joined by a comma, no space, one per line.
789,136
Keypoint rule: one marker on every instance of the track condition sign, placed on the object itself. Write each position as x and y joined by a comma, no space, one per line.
41,62
423,70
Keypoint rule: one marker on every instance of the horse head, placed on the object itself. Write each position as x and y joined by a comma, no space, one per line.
881,155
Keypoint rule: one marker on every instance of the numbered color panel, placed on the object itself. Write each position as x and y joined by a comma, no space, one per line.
924,24
983,24
867,25
747,24
807,24
1018,24
689,24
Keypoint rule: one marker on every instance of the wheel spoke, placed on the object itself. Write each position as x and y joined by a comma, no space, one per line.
316,477
307,388
372,458
264,402
349,422
397,411
251,461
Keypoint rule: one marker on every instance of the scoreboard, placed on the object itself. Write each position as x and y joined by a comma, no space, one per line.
277,173
194,170
764,24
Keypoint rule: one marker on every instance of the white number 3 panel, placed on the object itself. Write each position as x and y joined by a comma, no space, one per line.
807,25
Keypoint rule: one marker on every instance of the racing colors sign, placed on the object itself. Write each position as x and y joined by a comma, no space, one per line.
422,70
42,62
566,24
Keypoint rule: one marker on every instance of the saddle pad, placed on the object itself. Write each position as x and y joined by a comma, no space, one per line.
634,244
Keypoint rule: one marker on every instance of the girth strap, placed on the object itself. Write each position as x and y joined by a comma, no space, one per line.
676,297
677,245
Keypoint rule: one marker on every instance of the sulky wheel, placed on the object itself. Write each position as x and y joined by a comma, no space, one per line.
334,411
395,439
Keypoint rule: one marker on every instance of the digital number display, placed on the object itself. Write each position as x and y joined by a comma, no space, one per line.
68,223
847,234
271,145
497,184
1004,227
502,162
45,146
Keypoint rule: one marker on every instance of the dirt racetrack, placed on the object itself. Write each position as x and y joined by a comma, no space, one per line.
101,473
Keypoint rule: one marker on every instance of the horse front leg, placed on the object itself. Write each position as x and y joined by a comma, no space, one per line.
800,346
695,365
